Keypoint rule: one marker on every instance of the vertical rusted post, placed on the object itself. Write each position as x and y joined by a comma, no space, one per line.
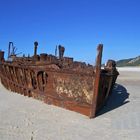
56,51
97,81
9,48
35,48
1,56
61,51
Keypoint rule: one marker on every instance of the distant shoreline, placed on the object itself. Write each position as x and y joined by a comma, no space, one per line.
129,68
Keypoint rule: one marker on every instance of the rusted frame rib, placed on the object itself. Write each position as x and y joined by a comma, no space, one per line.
97,81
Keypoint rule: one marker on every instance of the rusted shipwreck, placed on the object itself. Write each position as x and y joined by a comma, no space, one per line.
60,80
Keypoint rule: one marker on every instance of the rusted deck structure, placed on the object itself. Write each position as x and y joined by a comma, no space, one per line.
60,81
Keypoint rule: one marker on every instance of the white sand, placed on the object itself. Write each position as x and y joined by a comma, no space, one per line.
135,69
23,118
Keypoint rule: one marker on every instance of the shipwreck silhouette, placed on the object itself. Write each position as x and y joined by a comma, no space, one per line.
59,80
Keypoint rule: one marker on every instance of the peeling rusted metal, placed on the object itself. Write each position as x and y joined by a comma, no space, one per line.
60,81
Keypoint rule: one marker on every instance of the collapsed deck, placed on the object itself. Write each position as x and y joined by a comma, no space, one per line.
60,80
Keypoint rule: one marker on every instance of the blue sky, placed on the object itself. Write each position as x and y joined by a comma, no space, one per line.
79,25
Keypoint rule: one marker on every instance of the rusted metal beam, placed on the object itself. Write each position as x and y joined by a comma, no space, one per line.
97,80
35,47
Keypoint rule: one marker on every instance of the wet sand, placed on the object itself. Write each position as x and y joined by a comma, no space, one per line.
23,118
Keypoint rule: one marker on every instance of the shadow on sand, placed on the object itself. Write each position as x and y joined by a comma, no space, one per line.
118,98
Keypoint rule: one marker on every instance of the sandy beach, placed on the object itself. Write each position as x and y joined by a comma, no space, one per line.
23,118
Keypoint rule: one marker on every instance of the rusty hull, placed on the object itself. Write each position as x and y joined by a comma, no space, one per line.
60,80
